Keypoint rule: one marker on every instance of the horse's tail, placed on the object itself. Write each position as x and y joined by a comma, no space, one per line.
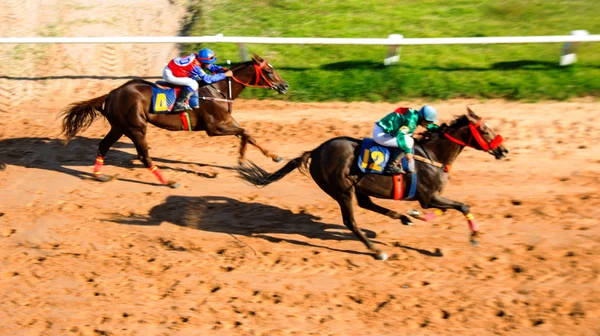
254,174
79,116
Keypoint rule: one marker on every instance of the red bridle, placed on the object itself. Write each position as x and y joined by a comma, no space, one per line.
497,141
258,74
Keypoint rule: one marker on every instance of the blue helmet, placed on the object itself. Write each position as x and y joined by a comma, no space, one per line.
428,113
206,56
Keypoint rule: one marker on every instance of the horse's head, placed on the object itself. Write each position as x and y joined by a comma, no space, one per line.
264,75
479,135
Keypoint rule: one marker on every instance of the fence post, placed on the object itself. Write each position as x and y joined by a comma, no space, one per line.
393,55
243,52
568,51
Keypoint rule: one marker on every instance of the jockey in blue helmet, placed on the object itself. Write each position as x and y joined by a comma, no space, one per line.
396,130
188,70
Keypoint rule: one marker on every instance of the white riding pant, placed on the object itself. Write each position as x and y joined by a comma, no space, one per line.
388,140
169,77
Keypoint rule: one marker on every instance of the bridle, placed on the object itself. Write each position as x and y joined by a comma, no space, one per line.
258,69
475,134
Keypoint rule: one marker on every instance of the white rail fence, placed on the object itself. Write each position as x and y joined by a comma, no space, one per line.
394,41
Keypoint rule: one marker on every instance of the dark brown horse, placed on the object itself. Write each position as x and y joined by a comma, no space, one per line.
333,166
127,108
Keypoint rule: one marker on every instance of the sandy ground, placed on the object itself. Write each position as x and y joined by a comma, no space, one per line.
217,256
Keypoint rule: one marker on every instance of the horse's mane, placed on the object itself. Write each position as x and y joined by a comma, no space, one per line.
455,123
239,65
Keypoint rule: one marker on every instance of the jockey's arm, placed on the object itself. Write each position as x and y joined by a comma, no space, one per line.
405,141
391,123
199,74
216,68
432,127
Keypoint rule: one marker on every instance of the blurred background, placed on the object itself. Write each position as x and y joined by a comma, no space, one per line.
315,72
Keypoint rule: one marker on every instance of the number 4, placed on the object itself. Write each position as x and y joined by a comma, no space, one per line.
161,103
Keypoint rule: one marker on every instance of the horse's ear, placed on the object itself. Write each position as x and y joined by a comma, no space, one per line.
256,58
471,114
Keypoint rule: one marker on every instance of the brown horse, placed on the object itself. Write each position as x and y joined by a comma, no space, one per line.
127,108
333,166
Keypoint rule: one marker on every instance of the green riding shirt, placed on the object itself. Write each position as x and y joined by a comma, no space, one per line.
400,123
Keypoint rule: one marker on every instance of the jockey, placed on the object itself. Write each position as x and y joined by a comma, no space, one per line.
188,70
396,130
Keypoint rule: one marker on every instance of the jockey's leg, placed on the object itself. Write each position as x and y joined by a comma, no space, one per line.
388,140
395,165
181,104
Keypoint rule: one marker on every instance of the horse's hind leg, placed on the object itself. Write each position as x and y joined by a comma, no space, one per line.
139,140
365,202
345,202
113,136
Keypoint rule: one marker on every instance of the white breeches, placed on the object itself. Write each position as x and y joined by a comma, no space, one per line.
385,139
168,76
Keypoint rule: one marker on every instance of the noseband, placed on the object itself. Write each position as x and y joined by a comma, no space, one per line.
258,75
475,134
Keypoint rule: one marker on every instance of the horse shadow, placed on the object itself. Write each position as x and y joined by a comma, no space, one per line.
227,215
52,154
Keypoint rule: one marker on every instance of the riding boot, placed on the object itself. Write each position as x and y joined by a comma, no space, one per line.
395,165
182,101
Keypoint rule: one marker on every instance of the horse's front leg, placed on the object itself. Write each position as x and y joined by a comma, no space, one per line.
249,139
232,128
443,203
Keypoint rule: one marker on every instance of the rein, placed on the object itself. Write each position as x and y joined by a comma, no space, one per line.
475,134
258,74
216,99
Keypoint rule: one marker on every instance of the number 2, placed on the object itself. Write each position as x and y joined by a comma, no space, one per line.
377,158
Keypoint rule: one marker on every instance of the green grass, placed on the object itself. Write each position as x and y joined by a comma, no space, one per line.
356,73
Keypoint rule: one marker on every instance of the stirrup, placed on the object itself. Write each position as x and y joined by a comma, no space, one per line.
182,107
393,169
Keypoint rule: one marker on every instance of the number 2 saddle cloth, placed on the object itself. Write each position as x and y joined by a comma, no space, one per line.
374,158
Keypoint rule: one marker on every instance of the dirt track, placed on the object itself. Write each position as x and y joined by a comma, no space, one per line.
131,257
217,256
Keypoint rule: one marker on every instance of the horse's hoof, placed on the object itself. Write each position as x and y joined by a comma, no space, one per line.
381,256
278,159
173,184
105,178
475,238
2,166
406,221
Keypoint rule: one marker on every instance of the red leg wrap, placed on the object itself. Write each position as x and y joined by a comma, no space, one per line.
156,171
98,166
472,225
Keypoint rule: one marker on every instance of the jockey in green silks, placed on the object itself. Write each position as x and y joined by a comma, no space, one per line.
396,130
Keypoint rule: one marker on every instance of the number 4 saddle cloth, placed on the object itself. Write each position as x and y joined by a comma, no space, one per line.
163,98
